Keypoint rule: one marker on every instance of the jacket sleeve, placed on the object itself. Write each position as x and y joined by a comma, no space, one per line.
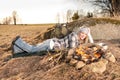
73,41
90,38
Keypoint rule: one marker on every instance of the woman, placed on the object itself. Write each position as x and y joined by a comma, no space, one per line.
73,40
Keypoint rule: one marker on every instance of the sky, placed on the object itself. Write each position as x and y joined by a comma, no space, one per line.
39,11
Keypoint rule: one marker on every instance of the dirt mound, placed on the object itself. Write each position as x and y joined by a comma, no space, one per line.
36,67
39,67
100,29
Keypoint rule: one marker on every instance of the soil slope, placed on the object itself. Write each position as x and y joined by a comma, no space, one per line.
35,67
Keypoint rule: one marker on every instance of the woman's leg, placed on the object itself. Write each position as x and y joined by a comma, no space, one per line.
44,46
20,46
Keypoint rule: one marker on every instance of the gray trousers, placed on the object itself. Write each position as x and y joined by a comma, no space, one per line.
20,46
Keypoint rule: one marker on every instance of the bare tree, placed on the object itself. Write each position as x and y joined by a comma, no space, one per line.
69,15
116,6
7,20
58,18
14,16
81,14
111,6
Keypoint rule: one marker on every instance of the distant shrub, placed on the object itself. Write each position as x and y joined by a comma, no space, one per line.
98,29
75,16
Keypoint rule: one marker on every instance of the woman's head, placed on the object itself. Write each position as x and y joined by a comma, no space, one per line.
83,32
82,35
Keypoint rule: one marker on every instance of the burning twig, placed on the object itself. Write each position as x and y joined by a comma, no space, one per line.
89,53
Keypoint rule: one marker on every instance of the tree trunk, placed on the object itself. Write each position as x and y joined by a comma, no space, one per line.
111,14
116,7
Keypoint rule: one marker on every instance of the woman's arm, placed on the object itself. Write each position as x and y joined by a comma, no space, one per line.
90,36
73,40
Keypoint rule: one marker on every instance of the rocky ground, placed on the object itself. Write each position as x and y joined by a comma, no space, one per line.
36,67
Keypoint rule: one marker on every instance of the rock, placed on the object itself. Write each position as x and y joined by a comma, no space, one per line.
99,67
70,54
103,46
80,64
109,56
73,62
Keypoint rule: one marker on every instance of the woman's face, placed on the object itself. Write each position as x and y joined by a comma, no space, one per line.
82,36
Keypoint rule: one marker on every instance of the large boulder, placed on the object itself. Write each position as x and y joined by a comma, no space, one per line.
80,64
110,57
99,67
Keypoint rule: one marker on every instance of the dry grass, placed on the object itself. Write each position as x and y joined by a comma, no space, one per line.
9,32
39,68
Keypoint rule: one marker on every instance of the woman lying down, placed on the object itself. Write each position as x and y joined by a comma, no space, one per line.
73,40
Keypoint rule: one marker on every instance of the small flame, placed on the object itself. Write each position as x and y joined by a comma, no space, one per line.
88,53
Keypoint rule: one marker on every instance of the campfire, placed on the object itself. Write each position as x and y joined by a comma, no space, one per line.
89,53
86,54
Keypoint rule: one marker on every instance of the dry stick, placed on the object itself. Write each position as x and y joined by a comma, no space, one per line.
61,57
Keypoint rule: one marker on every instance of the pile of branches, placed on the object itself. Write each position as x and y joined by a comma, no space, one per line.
87,53
83,55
